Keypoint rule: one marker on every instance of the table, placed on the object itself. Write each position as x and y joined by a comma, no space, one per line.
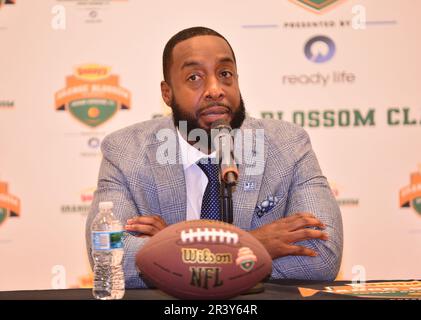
279,298
273,290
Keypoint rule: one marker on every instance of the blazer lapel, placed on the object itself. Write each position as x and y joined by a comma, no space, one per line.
169,180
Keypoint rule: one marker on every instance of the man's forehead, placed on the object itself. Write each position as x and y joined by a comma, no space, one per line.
201,48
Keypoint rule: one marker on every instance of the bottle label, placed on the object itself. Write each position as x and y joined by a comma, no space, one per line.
103,240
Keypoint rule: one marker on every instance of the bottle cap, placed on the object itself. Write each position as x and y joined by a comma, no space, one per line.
105,205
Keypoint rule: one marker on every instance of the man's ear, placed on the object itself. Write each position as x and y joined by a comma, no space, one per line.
166,93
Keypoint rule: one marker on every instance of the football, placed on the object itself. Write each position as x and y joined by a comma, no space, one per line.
204,259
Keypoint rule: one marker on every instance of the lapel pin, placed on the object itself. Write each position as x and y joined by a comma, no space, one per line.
249,186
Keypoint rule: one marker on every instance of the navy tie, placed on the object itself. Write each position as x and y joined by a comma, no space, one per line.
210,203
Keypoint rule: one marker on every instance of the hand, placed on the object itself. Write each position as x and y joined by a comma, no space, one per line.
277,236
145,225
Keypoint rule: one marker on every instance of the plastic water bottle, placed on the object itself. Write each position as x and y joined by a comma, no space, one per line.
107,253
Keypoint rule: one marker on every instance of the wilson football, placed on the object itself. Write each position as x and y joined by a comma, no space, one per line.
203,259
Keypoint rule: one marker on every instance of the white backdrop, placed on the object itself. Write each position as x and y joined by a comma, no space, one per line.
49,161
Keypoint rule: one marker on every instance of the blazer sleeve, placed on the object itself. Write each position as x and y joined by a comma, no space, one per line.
309,191
112,186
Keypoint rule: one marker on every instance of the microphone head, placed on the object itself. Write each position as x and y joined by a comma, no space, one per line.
221,124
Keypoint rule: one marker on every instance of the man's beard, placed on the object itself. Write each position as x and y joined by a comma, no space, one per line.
192,122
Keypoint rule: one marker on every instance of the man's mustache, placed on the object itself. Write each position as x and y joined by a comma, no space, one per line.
214,104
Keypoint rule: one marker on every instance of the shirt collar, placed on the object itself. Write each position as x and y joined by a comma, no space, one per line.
189,154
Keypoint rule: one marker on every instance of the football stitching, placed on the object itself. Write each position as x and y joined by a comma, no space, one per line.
209,235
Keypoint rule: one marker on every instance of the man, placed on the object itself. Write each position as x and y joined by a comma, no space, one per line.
287,204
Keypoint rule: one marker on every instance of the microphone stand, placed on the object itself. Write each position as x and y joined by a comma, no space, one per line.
226,202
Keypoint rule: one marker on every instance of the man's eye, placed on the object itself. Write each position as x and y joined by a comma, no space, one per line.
226,74
193,77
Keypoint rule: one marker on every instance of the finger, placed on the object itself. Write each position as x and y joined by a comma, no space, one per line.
141,229
152,220
297,215
303,220
307,234
144,229
301,251
301,223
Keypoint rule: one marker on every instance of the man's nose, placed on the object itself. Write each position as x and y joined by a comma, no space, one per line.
214,89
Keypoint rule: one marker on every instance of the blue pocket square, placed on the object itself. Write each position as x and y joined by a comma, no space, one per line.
266,205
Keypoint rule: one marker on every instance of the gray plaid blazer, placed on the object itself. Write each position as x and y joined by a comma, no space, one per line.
291,181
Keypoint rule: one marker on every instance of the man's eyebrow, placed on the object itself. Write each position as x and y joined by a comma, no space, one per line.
190,63
193,63
226,59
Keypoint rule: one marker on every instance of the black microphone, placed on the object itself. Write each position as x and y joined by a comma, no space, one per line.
224,145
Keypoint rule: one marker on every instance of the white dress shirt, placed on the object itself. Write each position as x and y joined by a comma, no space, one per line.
196,179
